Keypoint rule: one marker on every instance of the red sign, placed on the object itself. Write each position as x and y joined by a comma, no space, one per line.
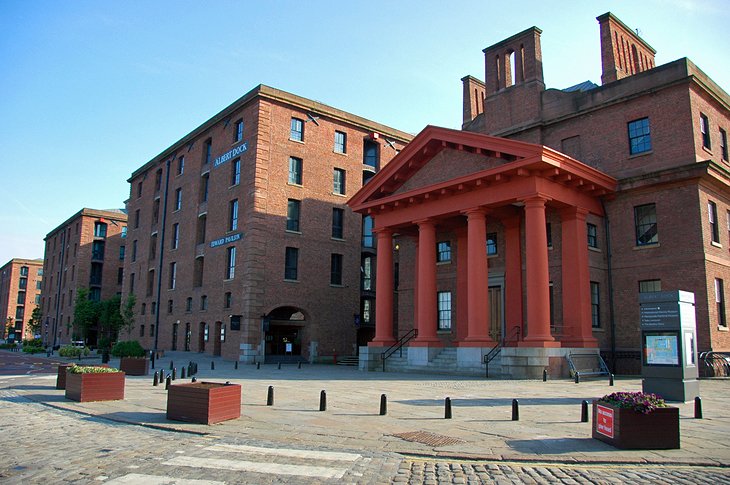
604,420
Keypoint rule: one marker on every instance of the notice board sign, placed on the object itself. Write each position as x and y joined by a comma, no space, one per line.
604,420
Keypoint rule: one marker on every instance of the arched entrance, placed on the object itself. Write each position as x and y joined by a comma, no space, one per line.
284,329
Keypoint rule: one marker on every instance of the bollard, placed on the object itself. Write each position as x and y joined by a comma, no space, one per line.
174,373
154,380
515,410
182,373
212,365
167,382
170,365
235,365
279,365
584,412
258,365
698,407
270,396
194,379
577,377
544,375
610,380
447,408
190,369
383,405
323,401
152,359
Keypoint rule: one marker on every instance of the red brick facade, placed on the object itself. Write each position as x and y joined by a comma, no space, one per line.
255,311
85,252
20,290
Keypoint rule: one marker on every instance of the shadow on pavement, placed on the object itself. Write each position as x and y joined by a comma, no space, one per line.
557,446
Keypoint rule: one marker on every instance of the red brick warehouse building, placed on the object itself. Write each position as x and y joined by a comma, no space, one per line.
20,294
563,244
240,240
86,251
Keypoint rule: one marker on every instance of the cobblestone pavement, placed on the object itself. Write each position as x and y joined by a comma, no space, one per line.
51,445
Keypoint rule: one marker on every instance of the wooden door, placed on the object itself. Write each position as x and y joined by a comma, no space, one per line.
495,313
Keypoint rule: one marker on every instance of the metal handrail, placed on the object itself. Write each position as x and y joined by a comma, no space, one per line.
410,335
495,351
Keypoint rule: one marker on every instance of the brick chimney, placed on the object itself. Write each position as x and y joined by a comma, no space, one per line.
514,61
623,52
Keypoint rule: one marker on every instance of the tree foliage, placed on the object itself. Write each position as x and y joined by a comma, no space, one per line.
36,318
106,316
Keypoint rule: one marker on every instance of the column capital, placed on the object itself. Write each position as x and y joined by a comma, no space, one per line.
475,211
425,222
383,230
535,200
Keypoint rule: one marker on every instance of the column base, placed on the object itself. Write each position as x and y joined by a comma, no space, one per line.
580,342
552,344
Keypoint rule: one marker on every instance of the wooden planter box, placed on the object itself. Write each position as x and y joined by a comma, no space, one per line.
204,402
628,429
95,387
61,379
135,366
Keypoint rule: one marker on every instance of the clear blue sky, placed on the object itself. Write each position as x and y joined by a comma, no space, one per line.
93,89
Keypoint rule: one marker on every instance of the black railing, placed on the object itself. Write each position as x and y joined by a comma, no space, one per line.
398,346
513,336
714,364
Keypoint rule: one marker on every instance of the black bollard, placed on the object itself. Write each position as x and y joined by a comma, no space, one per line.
323,401
154,380
167,382
152,359
182,373
258,365
584,412
174,373
212,365
610,380
279,365
515,410
447,408
577,377
235,365
383,405
270,396
698,407
193,379
544,375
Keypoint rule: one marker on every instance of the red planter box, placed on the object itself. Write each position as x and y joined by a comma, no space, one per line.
61,379
135,366
628,429
203,402
95,387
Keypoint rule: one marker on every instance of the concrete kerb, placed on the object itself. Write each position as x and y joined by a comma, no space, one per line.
549,431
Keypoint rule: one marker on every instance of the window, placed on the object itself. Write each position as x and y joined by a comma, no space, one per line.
723,145
336,269
204,183
291,264
120,275
231,265
178,199
592,231
338,220
491,244
175,239
141,329
131,283
207,150
705,130
23,283
549,234
236,172
650,286
227,299
169,307
124,232
173,275
99,229
19,312
121,252
340,142
200,230
136,219
367,273
338,181
97,250
233,215
370,154
714,226
444,310
646,226
443,251
204,304
367,305
150,282
720,302
595,305
292,215
23,271
180,165
639,136
153,246
158,180
139,190
367,232
155,210
21,298
297,130
295,171
134,250
189,304
198,271
239,131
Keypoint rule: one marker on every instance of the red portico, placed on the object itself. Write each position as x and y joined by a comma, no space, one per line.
458,182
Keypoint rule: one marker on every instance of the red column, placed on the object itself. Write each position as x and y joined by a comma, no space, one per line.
513,278
478,281
384,290
462,268
538,278
427,315
577,327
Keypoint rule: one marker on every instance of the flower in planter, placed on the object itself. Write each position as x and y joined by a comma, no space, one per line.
638,401
90,369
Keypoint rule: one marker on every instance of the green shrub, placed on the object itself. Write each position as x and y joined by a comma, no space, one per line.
69,351
33,350
90,369
36,342
130,348
7,346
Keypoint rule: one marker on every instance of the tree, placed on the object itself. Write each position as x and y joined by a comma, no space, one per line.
128,313
36,319
86,312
